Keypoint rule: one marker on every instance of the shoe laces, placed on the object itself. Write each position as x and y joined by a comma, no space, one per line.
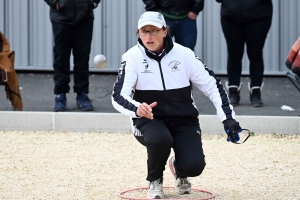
182,181
156,185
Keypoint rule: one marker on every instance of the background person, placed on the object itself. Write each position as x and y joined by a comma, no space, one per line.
153,88
293,59
180,16
72,24
245,22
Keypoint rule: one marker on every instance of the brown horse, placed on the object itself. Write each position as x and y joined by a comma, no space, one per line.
8,75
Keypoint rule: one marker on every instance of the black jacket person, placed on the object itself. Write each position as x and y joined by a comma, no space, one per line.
72,24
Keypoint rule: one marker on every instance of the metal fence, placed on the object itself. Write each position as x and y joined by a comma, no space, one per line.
27,26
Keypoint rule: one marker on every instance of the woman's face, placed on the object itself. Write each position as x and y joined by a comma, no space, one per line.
152,37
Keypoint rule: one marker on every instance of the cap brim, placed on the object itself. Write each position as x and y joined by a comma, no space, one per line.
145,23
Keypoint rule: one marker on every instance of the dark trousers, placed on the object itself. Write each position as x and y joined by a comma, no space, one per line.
75,38
253,34
159,138
184,31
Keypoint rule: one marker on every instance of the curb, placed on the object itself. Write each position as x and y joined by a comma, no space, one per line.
118,123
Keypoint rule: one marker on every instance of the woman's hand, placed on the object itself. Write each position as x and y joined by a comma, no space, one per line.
145,110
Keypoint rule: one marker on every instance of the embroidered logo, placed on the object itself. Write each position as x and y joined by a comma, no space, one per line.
174,66
121,69
146,70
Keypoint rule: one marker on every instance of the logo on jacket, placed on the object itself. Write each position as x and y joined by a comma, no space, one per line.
174,66
146,70
121,69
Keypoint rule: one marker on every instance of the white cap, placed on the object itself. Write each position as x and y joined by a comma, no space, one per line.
152,18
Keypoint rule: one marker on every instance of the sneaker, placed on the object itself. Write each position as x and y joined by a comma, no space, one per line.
182,185
156,189
83,102
60,103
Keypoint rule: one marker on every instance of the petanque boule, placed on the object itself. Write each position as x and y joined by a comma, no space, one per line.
100,61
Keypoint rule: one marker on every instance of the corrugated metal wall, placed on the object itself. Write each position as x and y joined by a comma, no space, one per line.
27,25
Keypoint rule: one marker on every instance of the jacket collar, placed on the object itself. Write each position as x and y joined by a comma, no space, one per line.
168,45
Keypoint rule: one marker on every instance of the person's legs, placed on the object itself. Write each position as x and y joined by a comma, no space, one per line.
63,35
158,140
235,39
81,50
189,156
256,33
186,33
172,26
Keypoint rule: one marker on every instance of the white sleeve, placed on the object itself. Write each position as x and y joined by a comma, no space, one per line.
124,87
205,80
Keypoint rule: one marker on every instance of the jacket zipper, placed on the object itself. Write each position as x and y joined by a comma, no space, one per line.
161,75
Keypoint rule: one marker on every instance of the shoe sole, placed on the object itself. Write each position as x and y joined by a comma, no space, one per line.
85,109
156,197
59,110
182,193
257,105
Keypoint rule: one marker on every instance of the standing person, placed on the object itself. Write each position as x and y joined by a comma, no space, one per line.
72,24
153,88
181,18
245,22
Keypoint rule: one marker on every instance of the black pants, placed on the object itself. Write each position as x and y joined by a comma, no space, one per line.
75,38
160,137
253,34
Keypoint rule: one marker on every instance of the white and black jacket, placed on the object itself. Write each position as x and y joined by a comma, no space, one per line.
165,79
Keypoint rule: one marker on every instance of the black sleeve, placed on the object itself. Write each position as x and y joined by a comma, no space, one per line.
51,3
198,6
95,3
150,5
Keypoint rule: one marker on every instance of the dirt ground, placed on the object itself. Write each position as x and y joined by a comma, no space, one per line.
65,165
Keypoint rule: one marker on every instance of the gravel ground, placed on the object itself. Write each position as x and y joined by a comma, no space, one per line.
65,165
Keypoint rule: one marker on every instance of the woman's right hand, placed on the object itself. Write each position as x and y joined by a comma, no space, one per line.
145,110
